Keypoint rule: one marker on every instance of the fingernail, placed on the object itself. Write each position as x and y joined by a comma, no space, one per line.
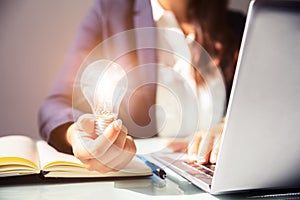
201,160
118,124
193,157
213,159
124,129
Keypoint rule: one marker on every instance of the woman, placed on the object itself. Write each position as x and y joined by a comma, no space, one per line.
216,29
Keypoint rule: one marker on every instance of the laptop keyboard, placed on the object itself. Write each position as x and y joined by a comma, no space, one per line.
192,171
207,169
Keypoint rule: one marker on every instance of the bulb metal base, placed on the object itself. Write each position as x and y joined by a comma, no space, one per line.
102,121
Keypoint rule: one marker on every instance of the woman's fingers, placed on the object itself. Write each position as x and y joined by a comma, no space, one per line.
80,141
128,156
103,142
205,148
115,149
110,151
194,145
121,139
217,142
215,151
125,156
86,123
85,147
178,145
205,145
121,157
96,165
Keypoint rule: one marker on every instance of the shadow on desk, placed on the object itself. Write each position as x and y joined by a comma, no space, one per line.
40,179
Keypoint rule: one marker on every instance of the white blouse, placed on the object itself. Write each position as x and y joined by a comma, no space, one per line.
182,106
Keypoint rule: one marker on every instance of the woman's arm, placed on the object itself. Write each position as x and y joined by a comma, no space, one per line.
56,114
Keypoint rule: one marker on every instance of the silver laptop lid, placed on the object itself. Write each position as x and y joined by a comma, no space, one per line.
261,139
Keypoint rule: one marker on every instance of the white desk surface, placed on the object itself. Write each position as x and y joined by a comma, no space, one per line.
132,188
119,189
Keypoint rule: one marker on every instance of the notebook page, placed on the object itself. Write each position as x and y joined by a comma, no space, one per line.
19,146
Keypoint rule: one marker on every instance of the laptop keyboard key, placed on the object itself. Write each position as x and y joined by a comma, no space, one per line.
207,170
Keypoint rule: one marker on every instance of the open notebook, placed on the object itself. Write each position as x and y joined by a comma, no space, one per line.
21,155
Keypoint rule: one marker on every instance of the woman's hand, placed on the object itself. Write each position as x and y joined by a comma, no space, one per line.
110,151
205,145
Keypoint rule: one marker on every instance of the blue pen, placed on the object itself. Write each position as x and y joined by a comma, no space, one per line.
155,169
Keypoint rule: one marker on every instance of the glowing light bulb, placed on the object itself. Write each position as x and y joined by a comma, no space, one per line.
104,84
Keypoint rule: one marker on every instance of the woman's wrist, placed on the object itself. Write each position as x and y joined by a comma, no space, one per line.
59,139
69,134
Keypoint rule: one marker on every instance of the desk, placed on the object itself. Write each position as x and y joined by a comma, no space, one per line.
129,188
137,188
141,188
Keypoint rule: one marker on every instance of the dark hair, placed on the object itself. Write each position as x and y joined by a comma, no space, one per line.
218,39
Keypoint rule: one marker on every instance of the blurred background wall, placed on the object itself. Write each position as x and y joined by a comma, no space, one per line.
35,37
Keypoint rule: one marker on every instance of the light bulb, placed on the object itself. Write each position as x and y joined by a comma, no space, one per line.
104,84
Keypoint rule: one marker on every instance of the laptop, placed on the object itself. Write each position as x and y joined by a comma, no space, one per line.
260,146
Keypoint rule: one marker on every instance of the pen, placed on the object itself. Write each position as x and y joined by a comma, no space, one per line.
155,169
